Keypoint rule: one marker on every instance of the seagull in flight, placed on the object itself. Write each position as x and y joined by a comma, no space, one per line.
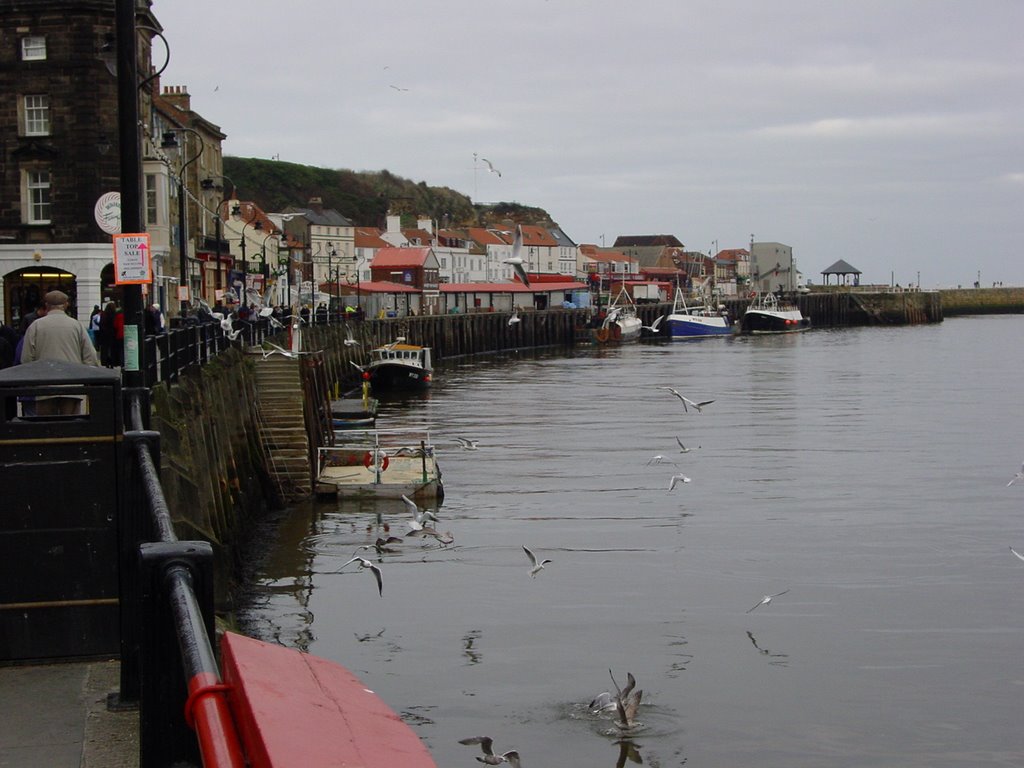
687,402
659,459
680,478
466,444
397,88
364,563
487,745
350,339
490,167
653,327
767,599
514,318
1018,554
418,516
536,565
683,448
516,259
1018,476
627,701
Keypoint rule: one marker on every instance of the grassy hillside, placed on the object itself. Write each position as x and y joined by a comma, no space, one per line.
366,197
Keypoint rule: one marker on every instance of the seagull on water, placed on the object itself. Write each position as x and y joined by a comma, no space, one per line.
603,702
536,565
767,599
1018,476
487,745
676,479
364,563
466,444
516,259
627,701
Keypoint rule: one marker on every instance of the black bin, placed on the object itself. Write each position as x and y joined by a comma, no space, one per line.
59,515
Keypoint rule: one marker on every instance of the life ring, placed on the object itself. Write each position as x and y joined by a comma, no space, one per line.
370,463
601,334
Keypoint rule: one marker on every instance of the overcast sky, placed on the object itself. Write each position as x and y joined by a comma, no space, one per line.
889,133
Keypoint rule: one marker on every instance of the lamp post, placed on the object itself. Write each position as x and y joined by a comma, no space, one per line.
256,224
331,253
173,150
263,259
209,184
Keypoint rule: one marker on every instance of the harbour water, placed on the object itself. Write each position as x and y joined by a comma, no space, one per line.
864,470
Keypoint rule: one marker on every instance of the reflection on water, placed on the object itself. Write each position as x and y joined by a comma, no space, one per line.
864,469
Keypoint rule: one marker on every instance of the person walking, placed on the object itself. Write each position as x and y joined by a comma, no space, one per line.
107,334
61,338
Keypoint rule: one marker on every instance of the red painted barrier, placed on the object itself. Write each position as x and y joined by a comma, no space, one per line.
295,709
207,712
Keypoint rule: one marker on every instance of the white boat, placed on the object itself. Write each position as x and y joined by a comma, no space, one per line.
769,313
380,463
621,323
686,322
399,365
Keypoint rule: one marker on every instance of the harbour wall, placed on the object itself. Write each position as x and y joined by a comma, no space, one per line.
982,301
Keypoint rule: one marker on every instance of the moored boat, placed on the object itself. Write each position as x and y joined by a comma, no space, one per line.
769,313
695,322
621,323
399,365
380,463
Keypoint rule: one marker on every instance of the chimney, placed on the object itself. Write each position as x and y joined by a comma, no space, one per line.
426,225
317,205
178,96
394,223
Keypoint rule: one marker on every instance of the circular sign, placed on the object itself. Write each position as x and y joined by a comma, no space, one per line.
108,212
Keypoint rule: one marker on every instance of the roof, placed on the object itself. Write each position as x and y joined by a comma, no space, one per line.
369,237
417,235
563,285
401,257
328,217
484,236
841,268
664,271
647,240
382,286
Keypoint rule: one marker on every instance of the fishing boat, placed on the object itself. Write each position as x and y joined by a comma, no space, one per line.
769,313
354,412
380,463
621,323
399,365
696,322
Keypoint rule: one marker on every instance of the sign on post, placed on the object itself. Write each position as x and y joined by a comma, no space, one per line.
133,263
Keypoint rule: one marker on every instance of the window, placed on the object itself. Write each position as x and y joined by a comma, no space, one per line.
38,197
151,210
33,48
36,110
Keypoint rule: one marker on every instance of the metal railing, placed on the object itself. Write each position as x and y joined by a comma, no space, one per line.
168,664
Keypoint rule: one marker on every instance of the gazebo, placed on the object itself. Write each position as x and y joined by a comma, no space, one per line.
842,270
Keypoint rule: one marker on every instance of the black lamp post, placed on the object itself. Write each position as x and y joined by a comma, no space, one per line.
263,259
172,149
236,214
331,253
210,184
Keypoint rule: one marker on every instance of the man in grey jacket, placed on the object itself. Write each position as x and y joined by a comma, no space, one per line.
62,338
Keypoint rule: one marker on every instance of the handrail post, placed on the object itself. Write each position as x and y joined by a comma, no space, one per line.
170,574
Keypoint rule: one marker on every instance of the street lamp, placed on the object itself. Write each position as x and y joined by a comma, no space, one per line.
257,224
331,253
263,258
173,151
209,184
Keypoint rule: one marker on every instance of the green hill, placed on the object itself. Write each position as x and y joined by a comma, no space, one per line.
365,197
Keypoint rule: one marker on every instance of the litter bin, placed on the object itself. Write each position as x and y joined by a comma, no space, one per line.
59,518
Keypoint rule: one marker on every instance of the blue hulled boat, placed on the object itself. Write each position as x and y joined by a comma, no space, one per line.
686,322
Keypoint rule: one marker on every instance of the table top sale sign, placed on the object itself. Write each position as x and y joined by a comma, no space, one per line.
133,263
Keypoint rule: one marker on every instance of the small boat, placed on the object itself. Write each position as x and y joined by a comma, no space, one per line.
399,365
621,323
378,463
769,313
353,412
686,322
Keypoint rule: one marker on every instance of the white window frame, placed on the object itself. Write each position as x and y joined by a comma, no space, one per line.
36,114
38,205
152,200
33,48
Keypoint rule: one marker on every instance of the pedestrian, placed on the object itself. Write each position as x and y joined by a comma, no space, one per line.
153,320
107,335
61,338
31,317
94,325
8,343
